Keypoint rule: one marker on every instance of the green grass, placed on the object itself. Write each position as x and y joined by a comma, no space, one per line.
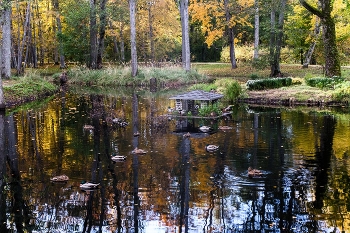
29,87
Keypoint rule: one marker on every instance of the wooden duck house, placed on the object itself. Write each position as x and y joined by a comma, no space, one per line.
194,100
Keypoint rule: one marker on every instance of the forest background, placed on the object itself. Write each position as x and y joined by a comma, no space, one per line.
98,33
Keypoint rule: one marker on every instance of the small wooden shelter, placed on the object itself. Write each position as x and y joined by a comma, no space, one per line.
193,100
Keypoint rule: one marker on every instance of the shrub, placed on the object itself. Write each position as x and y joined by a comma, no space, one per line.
323,82
233,91
262,84
342,92
209,110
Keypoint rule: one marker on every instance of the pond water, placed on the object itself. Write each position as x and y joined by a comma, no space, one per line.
176,186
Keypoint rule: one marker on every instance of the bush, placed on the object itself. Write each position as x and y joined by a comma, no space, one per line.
210,111
323,82
342,92
233,91
262,84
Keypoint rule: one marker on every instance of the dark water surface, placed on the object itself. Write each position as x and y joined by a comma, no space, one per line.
177,186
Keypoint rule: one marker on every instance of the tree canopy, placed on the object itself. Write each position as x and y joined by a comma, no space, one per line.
60,31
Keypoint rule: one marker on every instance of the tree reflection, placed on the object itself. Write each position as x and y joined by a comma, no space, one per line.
20,210
184,183
135,161
3,227
323,157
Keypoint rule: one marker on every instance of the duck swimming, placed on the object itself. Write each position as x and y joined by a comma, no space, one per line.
118,158
211,148
204,128
61,178
254,172
88,185
138,151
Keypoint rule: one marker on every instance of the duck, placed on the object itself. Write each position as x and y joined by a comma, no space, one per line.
170,110
204,128
229,108
61,178
211,148
187,135
118,158
136,134
88,127
254,172
138,151
225,127
89,185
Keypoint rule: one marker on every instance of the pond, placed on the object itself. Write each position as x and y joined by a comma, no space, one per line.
302,155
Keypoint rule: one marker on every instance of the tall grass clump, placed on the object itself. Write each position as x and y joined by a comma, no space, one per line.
121,76
233,91
31,86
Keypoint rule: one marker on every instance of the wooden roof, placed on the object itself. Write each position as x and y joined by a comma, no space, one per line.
198,95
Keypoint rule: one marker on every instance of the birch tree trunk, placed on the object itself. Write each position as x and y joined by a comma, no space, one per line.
132,9
256,30
186,53
309,53
59,31
5,46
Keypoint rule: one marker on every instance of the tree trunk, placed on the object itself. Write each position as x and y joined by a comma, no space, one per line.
93,36
19,67
122,45
5,46
132,8
256,30
308,54
332,62
186,53
59,32
231,36
2,103
103,23
150,23
276,39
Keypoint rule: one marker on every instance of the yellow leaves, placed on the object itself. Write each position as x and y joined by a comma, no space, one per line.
211,15
213,36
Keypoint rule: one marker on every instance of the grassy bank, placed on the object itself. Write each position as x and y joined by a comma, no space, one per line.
44,82
30,87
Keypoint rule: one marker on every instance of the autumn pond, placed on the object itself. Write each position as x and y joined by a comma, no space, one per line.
176,185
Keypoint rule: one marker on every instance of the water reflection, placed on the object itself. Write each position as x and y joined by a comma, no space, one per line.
177,186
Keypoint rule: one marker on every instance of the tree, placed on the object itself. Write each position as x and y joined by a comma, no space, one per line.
256,29
186,53
102,32
93,36
276,36
5,67
2,99
132,9
222,19
59,33
231,35
324,12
